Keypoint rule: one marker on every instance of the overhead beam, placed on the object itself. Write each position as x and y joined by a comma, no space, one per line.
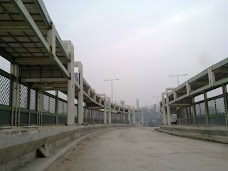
40,85
7,56
34,61
37,80
17,26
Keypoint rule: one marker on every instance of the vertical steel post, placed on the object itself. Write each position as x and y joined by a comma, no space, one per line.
109,112
105,111
193,110
206,108
56,106
224,90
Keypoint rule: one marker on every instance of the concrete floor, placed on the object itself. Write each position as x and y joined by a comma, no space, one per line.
143,149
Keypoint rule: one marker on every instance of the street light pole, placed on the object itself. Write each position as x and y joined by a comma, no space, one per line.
111,80
178,82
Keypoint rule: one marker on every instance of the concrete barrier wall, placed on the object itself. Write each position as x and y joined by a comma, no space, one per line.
19,145
202,132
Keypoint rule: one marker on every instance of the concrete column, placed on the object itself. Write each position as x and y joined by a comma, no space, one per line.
193,110
56,106
80,93
188,88
174,95
225,102
186,115
211,77
168,107
206,108
133,116
164,116
109,112
129,116
14,70
164,110
142,117
39,107
105,112
70,86
168,115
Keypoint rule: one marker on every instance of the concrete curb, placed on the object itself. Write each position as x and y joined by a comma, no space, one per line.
42,164
195,135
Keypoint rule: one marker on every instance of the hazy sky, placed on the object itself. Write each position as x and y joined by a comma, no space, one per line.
142,42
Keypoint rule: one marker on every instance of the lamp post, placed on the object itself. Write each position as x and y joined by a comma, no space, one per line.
111,80
178,82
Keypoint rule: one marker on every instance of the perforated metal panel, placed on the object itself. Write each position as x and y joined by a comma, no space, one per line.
48,104
23,96
51,107
5,89
45,103
32,99
216,106
62,107
200,107
220,107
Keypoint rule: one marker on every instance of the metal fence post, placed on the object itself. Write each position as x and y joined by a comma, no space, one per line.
206,108
15,93
28,103
224,90
56,107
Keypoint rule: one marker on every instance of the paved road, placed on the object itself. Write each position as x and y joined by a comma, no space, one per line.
143,149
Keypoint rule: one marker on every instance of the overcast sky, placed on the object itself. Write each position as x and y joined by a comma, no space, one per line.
142,42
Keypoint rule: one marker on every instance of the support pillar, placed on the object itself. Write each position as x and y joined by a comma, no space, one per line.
129,116
206,108
168,115
39,107
164,113
133,116
224,89
56,106
15,97
70,86
109,112
142,116
164,116
193,110
80,93
105,111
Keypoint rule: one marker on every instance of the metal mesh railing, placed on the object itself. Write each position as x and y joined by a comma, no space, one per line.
216,106
53,109
62,107
32,99
200,108
45,103
5,90
23,96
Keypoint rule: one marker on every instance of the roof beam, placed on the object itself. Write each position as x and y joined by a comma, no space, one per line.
24,12
17,26
46,80
5,55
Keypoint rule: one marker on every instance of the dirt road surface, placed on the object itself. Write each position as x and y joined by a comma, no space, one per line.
143,149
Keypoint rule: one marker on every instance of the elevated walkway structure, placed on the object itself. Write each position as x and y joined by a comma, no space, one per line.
41,61
184,102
